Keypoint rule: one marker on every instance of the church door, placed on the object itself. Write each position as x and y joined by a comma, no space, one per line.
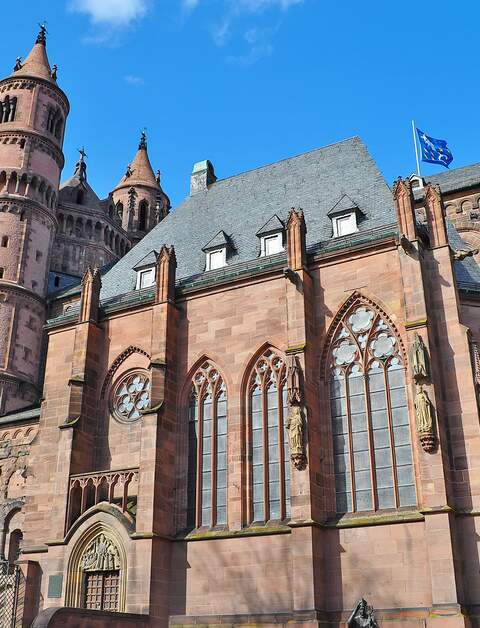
102,590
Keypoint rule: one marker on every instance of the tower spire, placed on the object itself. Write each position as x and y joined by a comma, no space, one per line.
36,64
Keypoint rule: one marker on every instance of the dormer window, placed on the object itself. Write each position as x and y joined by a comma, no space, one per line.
271,237
216,259
216,251
271,244
146,271
145,278
343,225
344,216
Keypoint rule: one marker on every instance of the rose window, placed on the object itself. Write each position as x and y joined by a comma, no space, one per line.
130,396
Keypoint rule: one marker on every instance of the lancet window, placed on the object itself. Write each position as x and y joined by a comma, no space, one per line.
267,440
207,447
8,109
370,424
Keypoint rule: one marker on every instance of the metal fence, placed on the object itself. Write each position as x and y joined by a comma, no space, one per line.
10,584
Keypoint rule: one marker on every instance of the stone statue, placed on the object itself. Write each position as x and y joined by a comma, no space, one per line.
18,64
101,555
157,177
129,171
54,72
419,360
294,394
362,617
294,426
424,420
81,166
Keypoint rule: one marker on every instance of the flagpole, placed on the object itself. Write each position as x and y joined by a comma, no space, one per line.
416,149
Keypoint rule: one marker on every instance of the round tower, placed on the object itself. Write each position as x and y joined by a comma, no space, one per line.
33,111
139,199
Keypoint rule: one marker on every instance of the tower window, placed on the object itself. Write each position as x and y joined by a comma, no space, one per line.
2,271
7,109
80,197
4,241
142,216
56,281
54,122
38,256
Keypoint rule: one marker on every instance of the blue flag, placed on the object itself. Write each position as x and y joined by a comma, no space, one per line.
434,151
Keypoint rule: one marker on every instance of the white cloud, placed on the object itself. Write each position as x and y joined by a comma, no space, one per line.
111,13
135,81
189,5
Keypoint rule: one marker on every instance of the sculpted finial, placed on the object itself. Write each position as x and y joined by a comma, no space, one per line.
42,35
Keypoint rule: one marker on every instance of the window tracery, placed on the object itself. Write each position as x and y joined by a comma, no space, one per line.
130,396
370,423
207,449
269,468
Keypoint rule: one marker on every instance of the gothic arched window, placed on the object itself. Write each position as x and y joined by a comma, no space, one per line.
207,449
370,424
269,468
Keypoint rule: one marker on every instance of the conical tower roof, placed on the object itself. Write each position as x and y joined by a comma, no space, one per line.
140,171
36,64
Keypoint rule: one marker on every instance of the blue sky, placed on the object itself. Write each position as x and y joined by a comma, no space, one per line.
248,82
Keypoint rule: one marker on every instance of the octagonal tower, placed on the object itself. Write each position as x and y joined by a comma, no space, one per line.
33,112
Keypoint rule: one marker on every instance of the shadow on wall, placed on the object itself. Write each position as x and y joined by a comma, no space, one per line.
77,617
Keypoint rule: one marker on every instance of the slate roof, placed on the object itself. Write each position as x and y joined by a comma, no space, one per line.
344,204
70,187
149,260
220,239
241,204
274,224
456,179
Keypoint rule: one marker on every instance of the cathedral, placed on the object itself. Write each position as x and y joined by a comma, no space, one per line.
259,408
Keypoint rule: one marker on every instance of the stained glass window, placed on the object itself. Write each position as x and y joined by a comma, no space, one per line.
269,469
130,396
207,449
370,424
